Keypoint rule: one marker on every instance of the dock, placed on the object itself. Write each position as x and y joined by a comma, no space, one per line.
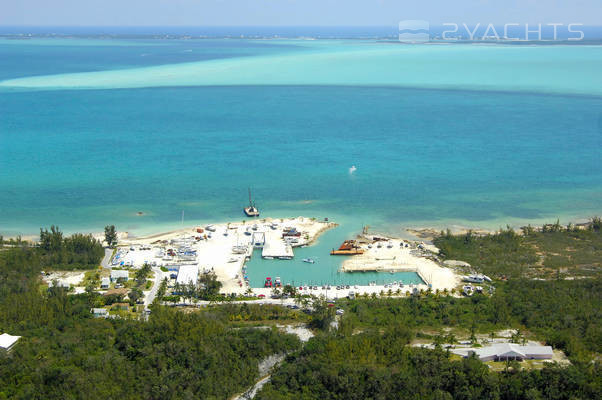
277,249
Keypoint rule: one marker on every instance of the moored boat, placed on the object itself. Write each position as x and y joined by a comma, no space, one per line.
252,210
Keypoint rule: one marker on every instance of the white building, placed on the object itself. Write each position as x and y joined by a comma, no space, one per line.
100,312
119,273
188,274
8,341
105,283
511,351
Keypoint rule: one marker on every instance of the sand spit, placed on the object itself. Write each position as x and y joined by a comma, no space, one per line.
383,254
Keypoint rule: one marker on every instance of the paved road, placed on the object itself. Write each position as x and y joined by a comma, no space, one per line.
152,293
106,261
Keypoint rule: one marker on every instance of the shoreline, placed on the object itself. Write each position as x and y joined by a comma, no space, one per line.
409,230
215,248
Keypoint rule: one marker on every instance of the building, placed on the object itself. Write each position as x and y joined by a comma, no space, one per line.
121,306
8,341
173,271
99,312
105,283
188,274
59,284
512,351
119,274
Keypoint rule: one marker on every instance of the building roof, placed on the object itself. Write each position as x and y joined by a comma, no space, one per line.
119,273
7,341
99,311
512,350
59,284
122,291
188,274
105,280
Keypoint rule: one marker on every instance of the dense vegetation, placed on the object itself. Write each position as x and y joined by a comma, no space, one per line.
77,251
549,252
566,314
380,365
368,356
214,353
66,354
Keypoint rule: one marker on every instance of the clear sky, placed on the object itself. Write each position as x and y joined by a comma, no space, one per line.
292,12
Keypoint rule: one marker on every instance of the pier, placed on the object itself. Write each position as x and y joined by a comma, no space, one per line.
277,249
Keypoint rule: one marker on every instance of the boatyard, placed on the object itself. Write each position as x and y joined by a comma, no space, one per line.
232,251
390,255
222,249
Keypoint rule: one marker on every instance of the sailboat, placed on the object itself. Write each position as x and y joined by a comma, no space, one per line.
251,211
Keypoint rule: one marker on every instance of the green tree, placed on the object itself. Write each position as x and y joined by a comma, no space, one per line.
110,235
142,274
135,294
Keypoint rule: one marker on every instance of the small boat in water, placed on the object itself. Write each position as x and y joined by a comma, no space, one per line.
268,282
309,260
251,211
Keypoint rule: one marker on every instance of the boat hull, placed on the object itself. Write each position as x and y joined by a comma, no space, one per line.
251,212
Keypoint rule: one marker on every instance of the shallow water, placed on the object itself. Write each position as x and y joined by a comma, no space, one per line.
424,156
325,270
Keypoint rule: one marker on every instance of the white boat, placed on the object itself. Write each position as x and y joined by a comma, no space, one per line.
268,258
210,228
308,260
239,249
232,260
474,278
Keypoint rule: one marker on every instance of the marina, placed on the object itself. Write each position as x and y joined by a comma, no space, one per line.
270,253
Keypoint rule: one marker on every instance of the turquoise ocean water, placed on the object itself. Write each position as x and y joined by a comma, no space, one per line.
93,131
